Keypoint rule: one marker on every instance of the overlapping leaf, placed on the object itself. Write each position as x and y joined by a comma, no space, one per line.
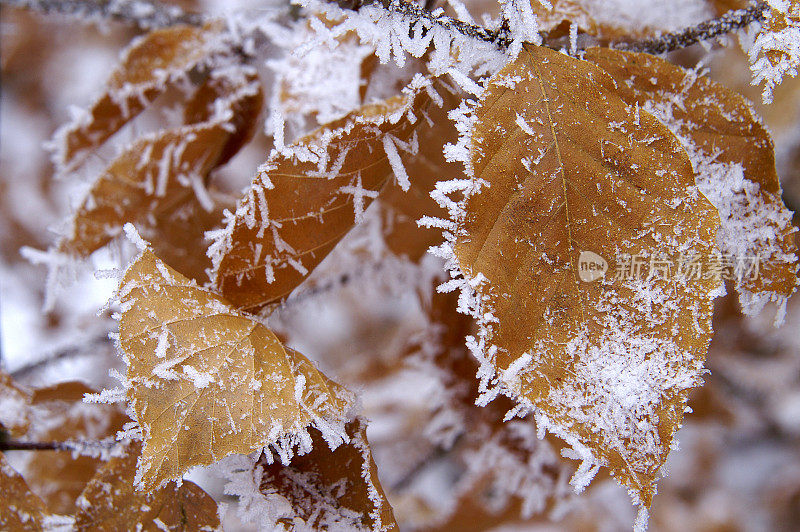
306,198
59,414
576,185
161,179
330,490
425,166
148,66
20,509
733,157
205,381
776,51
110,503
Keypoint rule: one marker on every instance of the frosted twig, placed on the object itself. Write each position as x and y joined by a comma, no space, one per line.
145,14
89,347
15,445
728,22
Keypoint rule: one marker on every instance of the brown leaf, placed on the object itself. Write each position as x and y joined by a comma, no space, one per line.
305,199
110,503
148,66
733,156
425,168
206,381
331,489
773,54
575,185
14,406
162,177
59,414
20,509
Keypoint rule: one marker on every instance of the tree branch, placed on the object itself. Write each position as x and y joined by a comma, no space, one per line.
144,14
68,352
710,29
16,445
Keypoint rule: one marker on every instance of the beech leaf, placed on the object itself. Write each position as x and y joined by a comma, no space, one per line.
568,252
307,197
110,503
58,413
148,66
163,176
205,381
775,52
20,509
734,160
327,489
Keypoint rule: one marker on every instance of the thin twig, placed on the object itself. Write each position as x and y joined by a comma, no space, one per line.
144,14
15,445
149,14
68,352
710,29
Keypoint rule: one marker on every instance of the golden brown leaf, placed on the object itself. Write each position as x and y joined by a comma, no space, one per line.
110,502
20,509
425,168
206,381
14,406
605,364
331,489
59,414
733,156
305,199
147,67
570,11
162,177
774,53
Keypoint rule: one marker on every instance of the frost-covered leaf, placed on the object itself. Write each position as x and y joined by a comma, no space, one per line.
425,166
329,490
205,381
776,51
734,161
20,509
579,215
148,66
58,413
110,502
14,406
561,12
306,197
163,176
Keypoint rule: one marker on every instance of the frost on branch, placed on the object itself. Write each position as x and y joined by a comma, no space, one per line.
152,63
603,361
776,51
734,162
306,197
110,502
205,381
322,490
160,181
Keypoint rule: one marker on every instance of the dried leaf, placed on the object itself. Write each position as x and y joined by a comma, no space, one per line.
205,381
110,503
425,167
59,414
574,185
165,172
734,159
148,66
776,50
305,199
20,509
14,406
569,11
331,490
